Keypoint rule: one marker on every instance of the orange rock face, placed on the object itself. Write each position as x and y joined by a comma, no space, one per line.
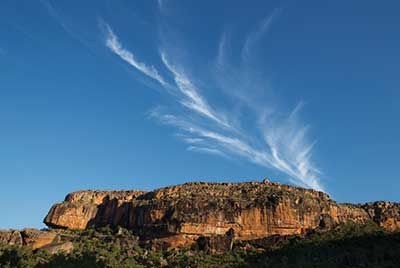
37,239
29,237
81,209
180,214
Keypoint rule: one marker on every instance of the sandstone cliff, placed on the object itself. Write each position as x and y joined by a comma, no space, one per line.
179,215
28,237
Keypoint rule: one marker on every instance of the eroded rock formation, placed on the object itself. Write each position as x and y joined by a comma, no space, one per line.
181,214
81,209
28,237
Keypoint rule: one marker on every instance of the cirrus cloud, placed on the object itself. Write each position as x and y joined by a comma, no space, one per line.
275,140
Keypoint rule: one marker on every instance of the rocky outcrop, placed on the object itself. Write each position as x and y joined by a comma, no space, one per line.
81,209
37,239
11,237
28,237
61,247
386,214
181,214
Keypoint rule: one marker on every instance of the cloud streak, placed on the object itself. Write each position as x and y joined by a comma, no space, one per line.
275,140
115,46
255,36
191,98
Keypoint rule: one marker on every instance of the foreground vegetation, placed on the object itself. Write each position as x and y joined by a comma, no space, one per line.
349,245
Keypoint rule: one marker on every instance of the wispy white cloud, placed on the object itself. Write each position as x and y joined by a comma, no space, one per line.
207,151
222,48
56,16
203,135
65,24
255,36
161,3
164,7
290,150
191,97
193,140
274,140
115,46
286,149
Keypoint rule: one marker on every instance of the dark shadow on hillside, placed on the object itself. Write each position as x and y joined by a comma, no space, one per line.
87,259
112,213
368,251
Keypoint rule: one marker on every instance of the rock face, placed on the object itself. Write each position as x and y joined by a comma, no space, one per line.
387,214
182,214
81,209
11,237
29,237
37,239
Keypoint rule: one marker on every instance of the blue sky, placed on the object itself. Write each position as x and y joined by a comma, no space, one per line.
144,94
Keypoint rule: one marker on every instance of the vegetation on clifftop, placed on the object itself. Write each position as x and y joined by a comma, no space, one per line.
349,245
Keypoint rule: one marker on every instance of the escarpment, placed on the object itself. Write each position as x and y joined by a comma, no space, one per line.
181,214
90,208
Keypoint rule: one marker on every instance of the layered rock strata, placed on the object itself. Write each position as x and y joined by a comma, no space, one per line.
181,214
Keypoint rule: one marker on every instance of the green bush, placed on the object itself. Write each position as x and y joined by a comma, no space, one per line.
350,245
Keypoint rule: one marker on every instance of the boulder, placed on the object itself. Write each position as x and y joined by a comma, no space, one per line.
37,239
55,248
11,237
28,237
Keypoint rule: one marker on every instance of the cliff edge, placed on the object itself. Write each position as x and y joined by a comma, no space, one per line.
178,215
